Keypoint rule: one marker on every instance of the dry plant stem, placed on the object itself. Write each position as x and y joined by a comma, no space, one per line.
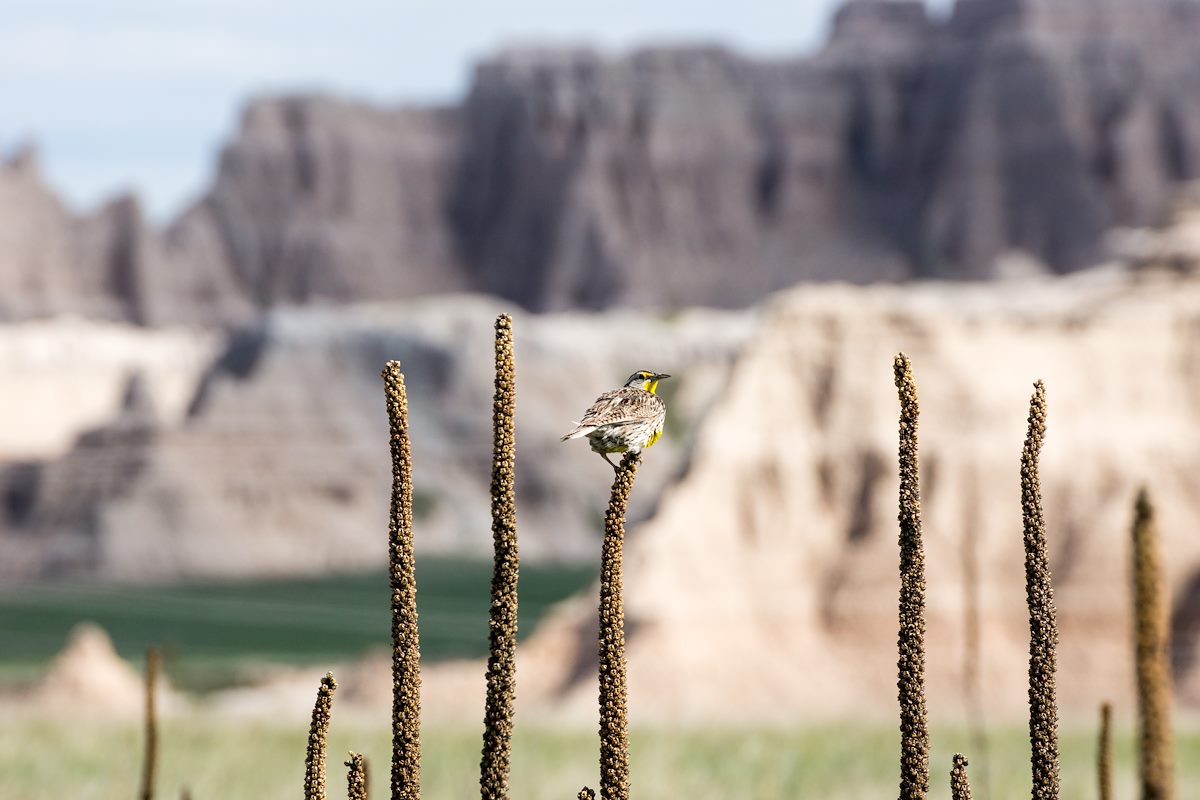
406,644
614,724
586,794
1043,625
356,777
960,788
972,677
502,625
1155,759
149,760
314,759
1104,753
914,728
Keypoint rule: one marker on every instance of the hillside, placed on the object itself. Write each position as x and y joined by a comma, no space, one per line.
905,147
276,460
778,547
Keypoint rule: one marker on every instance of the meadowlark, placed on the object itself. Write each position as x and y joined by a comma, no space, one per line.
625,420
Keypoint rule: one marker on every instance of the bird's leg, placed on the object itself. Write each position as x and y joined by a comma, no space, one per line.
610,463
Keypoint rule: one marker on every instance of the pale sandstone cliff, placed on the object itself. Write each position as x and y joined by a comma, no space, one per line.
68,375
280,464
766,584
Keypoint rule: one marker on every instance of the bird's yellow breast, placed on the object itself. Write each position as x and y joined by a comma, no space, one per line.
653,437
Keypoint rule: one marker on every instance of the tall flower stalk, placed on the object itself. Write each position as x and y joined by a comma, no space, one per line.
318,732
914,727
960,787
1104,753
356,777
1043,624
972,641
1155,741
150,757
502,625
406,642
614,701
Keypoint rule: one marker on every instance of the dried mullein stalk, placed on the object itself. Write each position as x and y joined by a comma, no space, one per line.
314,759
406,644
914,728
150,758
502,626
614,724
1104,753
1043,625
960,788
972,641
356,777
1155,741
586,794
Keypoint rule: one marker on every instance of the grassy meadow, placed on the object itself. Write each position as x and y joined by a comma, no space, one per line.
261,761
212,634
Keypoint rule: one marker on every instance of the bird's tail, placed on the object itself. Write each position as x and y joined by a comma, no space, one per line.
580,430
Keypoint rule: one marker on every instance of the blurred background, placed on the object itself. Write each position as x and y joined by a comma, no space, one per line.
218,220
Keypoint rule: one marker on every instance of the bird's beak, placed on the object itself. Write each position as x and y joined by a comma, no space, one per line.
659,376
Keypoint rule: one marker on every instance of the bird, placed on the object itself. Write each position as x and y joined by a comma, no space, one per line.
625,420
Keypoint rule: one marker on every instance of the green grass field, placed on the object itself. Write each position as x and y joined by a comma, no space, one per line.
210,632
257,761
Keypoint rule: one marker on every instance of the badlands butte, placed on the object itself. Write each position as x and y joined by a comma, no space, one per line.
203,399
766,532
905,147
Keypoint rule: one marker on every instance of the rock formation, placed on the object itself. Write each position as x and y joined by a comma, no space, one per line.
764,585
64,376
907,146
280,465
89,679
318,200
667,177
775,546
52,261
777,550
780,542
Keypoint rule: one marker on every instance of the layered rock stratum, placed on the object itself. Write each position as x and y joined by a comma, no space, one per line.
278,464
1010,138
764,585
65,376
778,548
761,573
907,146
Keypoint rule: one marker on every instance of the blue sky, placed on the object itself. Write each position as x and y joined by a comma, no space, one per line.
139,94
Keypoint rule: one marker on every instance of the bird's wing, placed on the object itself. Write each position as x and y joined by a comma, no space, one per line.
621,405
613,408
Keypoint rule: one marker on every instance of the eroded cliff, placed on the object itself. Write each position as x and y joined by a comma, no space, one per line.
672,176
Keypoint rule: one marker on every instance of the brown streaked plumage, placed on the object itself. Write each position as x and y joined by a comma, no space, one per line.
624,420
